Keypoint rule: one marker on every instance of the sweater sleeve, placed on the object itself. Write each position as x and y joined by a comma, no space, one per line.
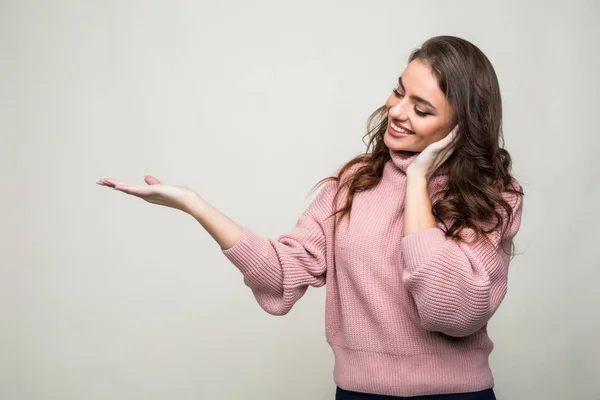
279,271
457,287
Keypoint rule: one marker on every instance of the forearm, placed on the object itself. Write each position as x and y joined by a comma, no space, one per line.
456,287
417,207
224,230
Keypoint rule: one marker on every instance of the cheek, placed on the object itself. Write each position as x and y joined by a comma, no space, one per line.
424,127
429,128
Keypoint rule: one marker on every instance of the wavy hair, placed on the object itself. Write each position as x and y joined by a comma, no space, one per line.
480,167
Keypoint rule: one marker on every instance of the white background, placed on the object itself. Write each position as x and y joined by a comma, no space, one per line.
104,296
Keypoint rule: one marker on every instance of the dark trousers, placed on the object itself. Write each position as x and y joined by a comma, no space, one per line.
487,394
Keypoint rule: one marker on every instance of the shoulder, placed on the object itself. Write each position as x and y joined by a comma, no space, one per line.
337,185
515,185
513,194
512,210
347,170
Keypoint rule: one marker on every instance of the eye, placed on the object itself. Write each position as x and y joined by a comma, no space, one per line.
417,111
420,113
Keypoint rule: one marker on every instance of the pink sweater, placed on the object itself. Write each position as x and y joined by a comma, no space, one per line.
405,316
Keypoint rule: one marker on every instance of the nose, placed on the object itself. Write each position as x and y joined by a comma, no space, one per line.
398,111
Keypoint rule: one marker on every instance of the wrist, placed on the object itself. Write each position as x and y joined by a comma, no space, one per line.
196,206
416,177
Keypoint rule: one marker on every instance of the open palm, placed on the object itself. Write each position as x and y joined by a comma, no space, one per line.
156,193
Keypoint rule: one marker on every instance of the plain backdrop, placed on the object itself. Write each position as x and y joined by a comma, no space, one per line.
104,296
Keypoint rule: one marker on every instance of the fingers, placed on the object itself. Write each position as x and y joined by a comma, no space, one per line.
447,152
451,136
441,146
445,148
447,143
124,187
150,180
110,182
140,191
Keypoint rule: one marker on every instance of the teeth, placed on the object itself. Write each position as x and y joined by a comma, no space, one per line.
398,129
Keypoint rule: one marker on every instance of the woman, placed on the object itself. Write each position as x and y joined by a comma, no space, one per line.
413,238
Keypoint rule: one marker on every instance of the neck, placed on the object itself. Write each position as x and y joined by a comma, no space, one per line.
402,159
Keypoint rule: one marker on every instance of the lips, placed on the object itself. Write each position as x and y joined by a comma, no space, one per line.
399,128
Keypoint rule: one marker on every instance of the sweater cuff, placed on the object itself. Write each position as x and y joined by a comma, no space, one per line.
245,253
419,246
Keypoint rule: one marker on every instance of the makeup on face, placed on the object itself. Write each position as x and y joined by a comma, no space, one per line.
418,111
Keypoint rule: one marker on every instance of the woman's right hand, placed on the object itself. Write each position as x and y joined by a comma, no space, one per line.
180,198
223,229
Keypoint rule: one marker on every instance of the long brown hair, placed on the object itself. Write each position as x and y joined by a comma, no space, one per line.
480,167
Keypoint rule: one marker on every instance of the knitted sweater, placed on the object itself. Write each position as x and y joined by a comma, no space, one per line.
405,316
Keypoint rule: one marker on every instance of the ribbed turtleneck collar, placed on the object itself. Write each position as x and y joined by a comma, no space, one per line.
402,159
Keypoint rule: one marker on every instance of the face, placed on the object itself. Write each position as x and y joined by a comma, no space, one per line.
418,112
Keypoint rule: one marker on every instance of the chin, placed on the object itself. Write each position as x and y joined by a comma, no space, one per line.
402,144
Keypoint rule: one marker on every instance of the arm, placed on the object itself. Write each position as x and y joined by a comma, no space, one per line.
456,287
278,271
223,229
417,205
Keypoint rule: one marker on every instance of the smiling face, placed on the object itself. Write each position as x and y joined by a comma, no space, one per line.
418,111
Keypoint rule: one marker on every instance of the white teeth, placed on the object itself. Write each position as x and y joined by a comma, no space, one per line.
398,129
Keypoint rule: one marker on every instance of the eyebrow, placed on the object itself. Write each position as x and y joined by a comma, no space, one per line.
416,98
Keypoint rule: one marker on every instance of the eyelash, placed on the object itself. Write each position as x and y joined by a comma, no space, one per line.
419,113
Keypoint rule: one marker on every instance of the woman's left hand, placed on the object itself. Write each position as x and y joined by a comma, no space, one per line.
433,156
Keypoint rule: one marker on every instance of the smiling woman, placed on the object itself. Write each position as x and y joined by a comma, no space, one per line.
416,274
448,85
412,116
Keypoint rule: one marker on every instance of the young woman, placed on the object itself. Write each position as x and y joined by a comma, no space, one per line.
413,238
